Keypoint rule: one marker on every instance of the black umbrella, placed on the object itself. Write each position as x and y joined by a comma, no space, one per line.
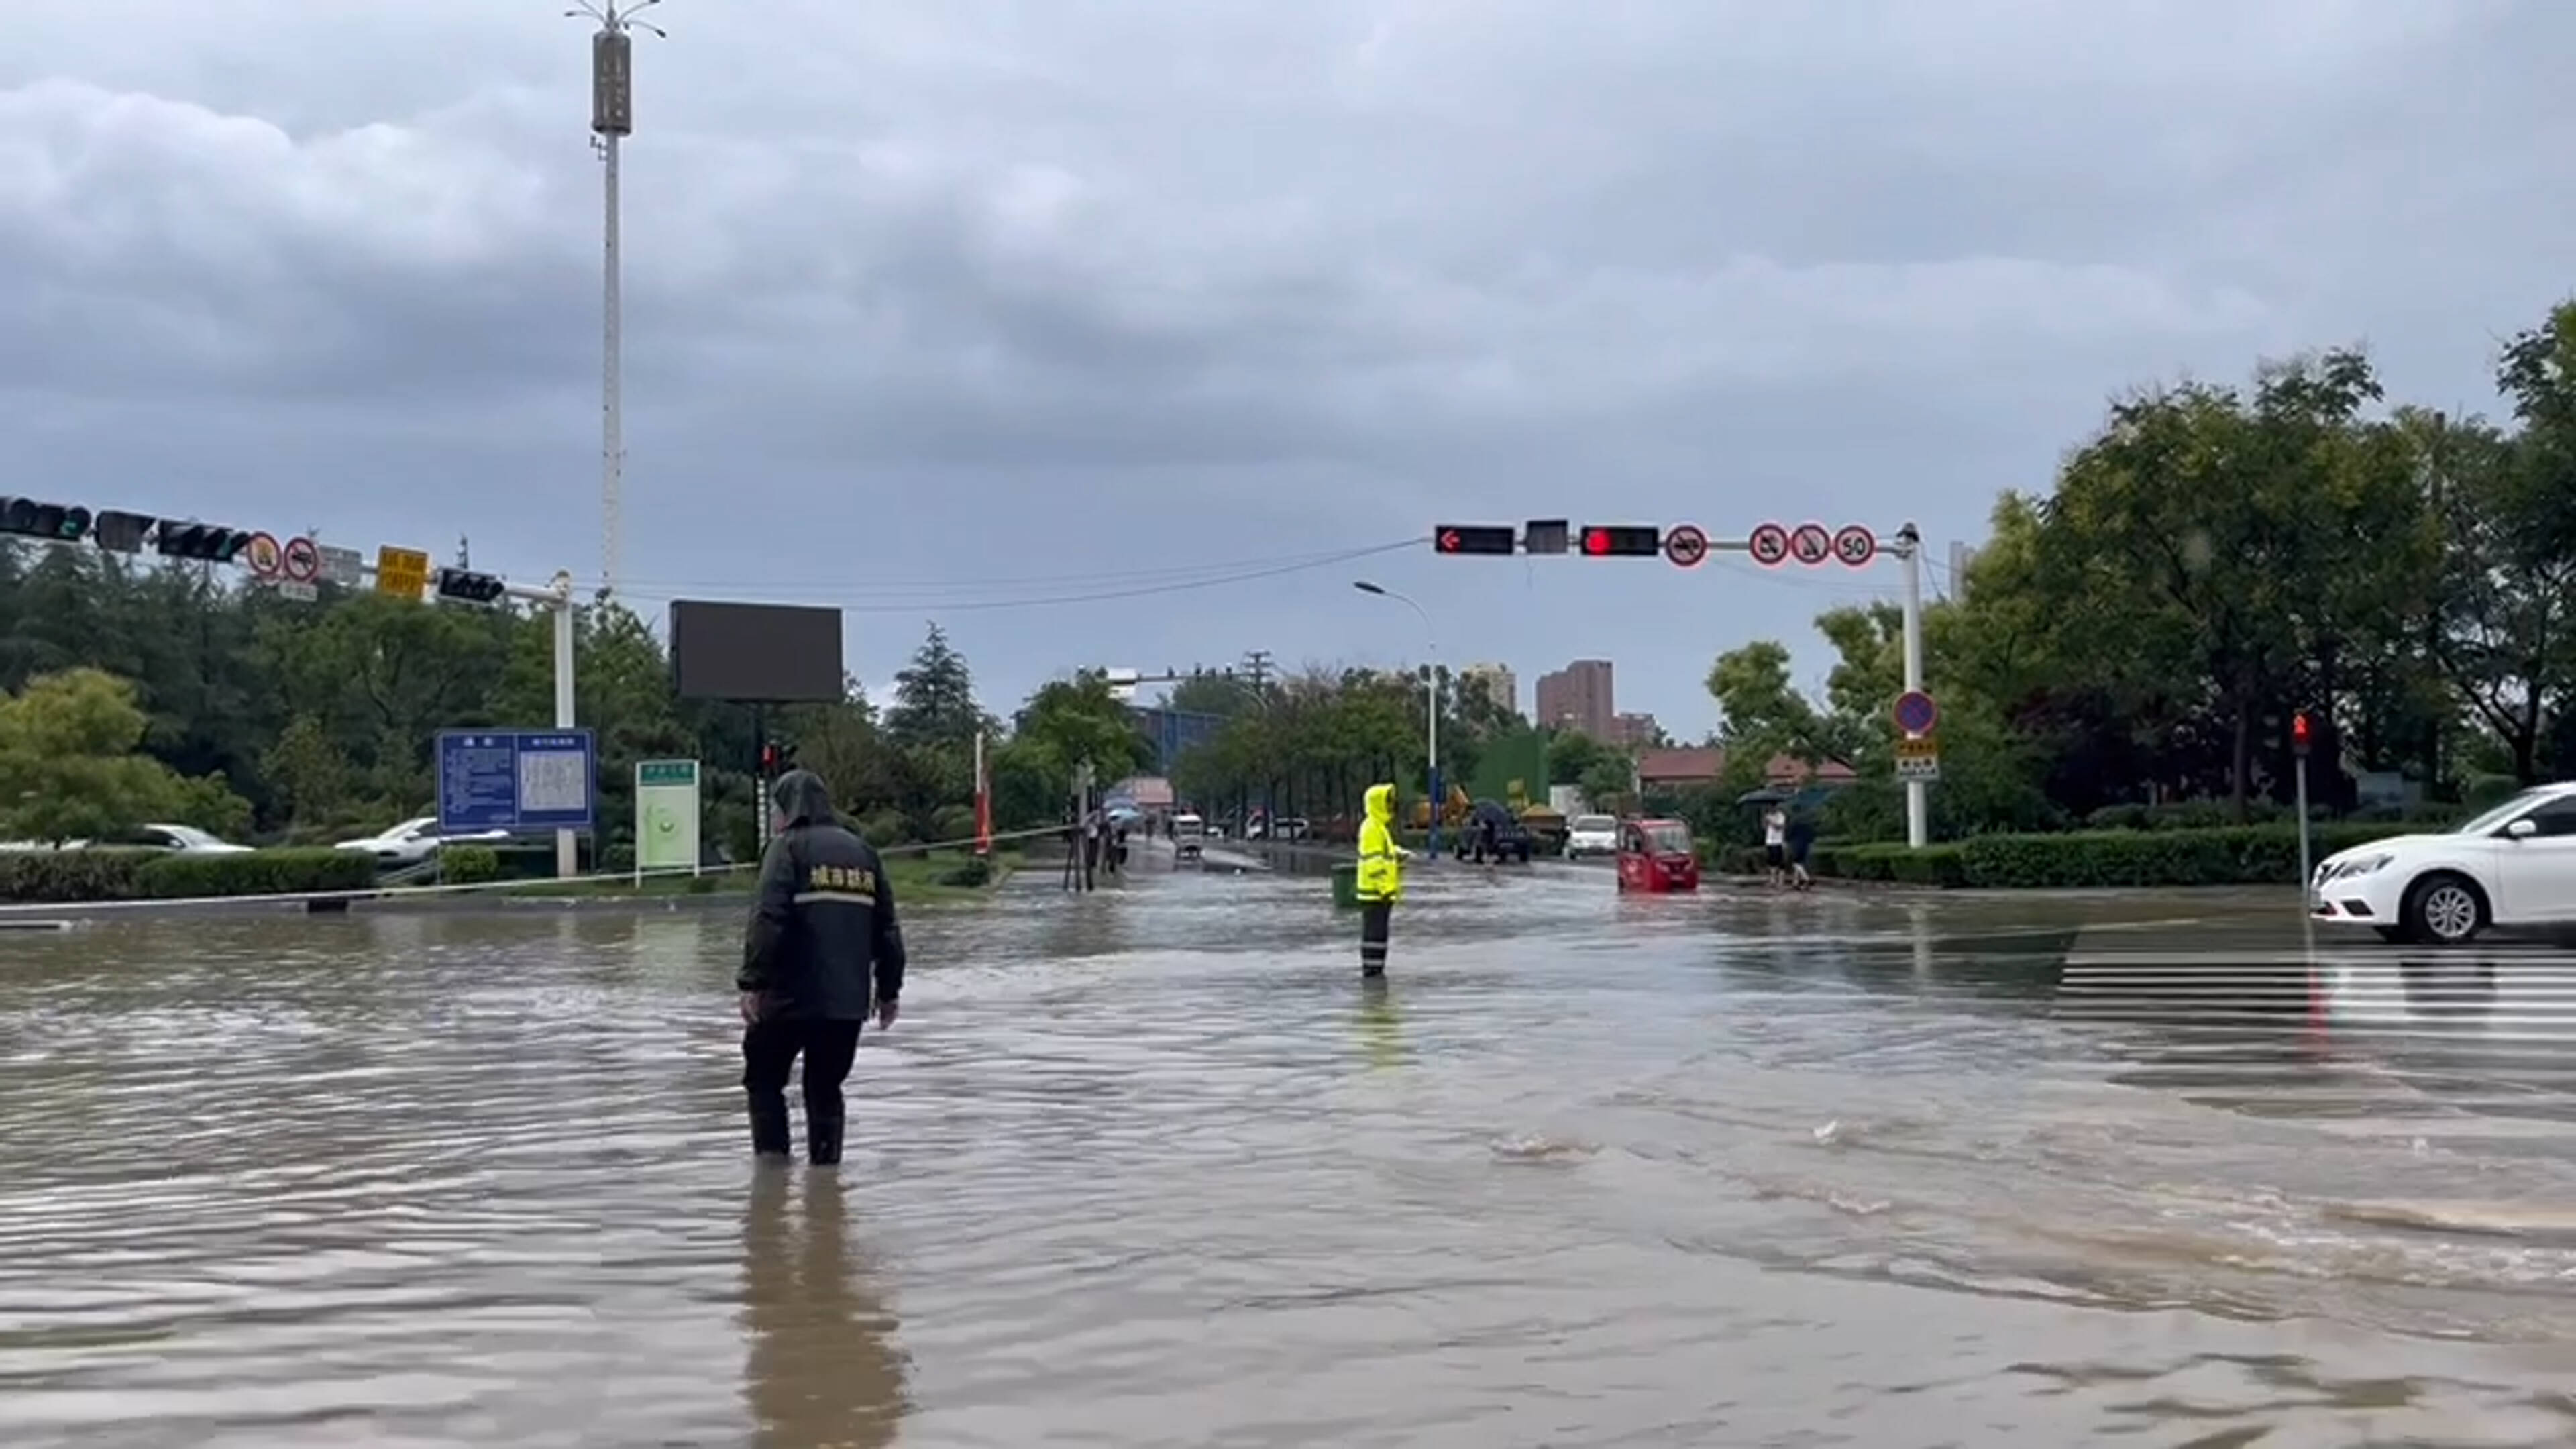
1764,796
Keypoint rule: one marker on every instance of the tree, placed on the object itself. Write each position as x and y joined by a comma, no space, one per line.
69,767
934,699
1218,694
308,773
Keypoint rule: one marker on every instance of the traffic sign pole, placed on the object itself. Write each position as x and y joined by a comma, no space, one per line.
1909,550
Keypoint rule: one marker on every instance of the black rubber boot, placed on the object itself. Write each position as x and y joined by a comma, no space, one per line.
769,1137
822,1138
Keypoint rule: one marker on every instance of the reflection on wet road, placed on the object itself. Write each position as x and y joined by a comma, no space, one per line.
1151,1167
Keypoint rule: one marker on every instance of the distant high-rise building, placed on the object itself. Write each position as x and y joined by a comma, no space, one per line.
1963,556
1635,730
1499,683
1578,697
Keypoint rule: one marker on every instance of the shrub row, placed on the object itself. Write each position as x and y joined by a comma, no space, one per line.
2227,855
59,877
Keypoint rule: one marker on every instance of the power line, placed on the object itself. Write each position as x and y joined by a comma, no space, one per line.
1096,596
1094,577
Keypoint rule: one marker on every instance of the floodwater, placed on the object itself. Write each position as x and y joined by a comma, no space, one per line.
1152,1167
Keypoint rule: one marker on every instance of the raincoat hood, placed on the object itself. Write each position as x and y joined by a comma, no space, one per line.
802,798
1380,801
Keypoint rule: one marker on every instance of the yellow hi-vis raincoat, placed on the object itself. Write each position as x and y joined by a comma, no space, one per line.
1381,866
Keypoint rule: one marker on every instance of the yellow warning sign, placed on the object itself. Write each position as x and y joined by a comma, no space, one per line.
1918,758
402,572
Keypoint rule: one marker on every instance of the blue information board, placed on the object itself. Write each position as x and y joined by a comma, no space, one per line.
517,780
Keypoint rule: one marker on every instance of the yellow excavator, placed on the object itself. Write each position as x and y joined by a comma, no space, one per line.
1451,818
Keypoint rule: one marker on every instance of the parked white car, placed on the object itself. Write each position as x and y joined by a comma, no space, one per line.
186,840
2514,866
176,839
415,840
1591,835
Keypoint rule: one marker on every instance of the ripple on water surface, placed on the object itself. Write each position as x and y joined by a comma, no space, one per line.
1152,1168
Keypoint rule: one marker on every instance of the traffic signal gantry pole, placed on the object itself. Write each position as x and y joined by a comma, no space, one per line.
1687,546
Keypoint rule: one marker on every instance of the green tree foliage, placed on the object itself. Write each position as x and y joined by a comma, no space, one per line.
71,766
151,693
1312,744
2214,560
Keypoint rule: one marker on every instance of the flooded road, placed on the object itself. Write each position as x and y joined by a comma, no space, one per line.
1152,1168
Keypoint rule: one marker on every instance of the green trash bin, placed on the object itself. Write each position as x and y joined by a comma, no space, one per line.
1346,886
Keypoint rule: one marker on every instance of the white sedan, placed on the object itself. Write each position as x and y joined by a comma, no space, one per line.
415,840
188,840
2514,866
1591,835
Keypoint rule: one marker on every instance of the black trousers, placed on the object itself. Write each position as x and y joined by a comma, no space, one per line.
769,1052
1375,917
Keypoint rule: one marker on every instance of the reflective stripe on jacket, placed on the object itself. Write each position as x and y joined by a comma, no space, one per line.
1381,868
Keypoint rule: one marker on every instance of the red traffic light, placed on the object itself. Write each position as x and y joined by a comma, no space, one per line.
1619,540
1475,538
2299,732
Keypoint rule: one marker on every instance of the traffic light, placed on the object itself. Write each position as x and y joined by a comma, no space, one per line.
2299,733
27,517
1546,535
469,586
1622,540
769,759
202,542
121,532
1474,538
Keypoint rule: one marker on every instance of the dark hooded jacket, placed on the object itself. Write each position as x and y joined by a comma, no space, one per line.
823,940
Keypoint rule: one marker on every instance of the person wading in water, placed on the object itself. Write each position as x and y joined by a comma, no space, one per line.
1381,878
823,952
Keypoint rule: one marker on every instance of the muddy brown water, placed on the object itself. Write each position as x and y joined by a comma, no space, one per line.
1152,1168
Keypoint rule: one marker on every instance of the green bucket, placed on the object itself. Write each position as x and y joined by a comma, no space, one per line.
1346,886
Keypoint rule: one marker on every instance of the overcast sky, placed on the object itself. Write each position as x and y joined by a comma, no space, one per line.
975,303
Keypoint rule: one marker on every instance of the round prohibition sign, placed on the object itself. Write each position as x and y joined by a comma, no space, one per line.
263,555
1811,544
1769,545
302,560
1686,545
1916,714
1855,545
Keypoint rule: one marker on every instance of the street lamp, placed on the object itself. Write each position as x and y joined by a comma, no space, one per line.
1431,697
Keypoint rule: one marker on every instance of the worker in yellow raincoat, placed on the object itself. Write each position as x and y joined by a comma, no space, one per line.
1381,877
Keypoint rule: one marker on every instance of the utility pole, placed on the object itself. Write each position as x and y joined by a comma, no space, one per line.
612,120
1256,667
1918,804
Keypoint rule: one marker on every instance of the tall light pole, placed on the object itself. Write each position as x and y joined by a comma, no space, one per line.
1430,697
612,120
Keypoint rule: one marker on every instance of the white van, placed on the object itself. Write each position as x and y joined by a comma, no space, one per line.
1189,835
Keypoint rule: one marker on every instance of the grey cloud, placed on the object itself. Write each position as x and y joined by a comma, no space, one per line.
1158,282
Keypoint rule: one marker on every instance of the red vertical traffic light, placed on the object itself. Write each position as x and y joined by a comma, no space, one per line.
2299,732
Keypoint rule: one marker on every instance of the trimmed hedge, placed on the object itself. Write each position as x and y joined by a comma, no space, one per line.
2100,859
255,873
65,877
468,864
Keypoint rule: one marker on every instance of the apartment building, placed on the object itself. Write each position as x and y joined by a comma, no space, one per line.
1578,697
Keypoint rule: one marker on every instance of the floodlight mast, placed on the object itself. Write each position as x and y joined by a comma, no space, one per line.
612,120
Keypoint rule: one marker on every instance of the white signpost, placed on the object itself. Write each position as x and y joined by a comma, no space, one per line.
666,816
